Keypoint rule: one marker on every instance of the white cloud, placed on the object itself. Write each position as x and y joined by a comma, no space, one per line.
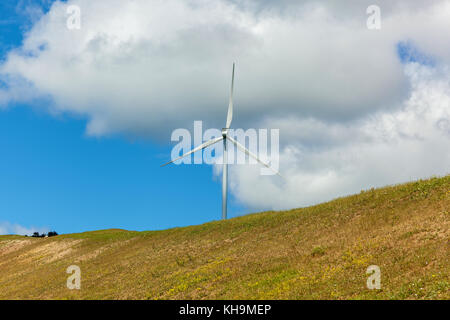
149,66
322,162
350,115
13,228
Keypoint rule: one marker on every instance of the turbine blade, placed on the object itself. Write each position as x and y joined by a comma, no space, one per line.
254,156
230,104
200,147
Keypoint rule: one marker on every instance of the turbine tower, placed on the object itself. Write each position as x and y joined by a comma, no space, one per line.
224,138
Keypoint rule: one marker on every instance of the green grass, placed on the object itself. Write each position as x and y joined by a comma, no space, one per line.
319,252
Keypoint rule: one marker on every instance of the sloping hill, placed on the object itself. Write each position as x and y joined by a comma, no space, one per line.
316,252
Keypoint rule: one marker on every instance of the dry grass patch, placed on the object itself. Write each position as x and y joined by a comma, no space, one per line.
319,252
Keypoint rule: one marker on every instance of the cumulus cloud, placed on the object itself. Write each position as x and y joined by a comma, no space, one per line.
149,66
323,161
343,98
13,228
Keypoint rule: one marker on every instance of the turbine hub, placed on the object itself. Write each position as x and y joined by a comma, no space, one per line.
224,132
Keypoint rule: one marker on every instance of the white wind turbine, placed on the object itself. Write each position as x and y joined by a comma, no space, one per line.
225,137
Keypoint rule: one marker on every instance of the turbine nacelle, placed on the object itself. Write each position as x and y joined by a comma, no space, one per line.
224,132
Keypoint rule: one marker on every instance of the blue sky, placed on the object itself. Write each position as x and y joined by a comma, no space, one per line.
408,52
53,176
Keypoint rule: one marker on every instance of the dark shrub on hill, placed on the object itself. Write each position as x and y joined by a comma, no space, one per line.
37,235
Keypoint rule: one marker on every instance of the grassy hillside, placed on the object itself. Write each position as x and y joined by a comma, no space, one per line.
316,252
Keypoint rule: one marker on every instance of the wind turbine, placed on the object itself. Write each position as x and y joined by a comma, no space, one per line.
224,138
